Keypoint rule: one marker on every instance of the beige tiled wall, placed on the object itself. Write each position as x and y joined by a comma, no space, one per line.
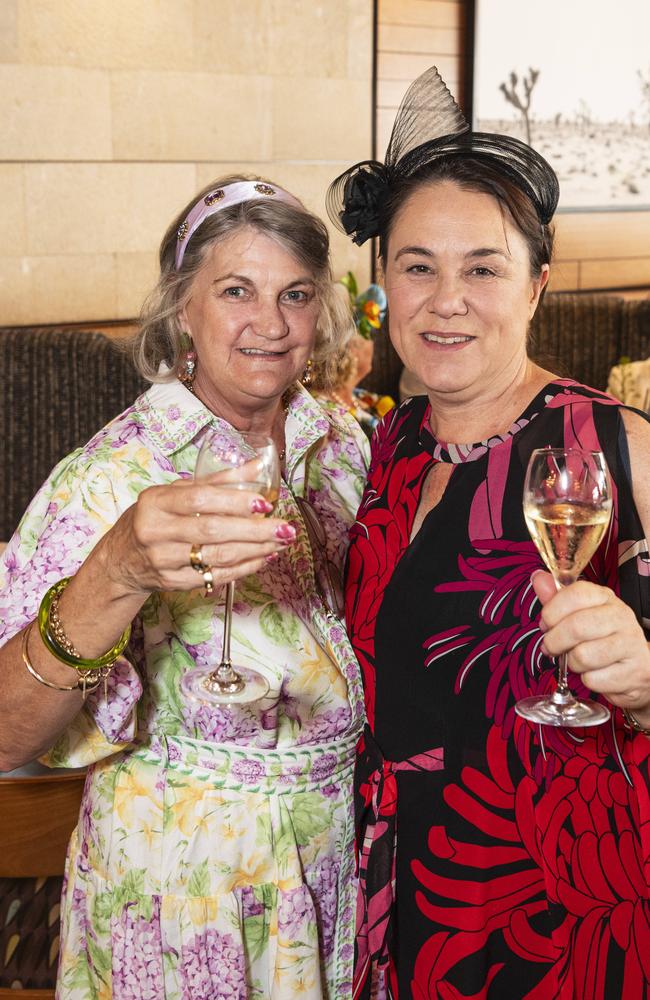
113,113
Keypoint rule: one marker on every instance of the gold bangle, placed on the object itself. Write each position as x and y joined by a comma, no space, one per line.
634,724
81,684
59,645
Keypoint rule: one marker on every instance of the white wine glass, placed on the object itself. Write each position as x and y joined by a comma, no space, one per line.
567,507
249,463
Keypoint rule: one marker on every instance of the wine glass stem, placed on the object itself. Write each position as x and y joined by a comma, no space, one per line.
562,683
227,620
224,677
562,692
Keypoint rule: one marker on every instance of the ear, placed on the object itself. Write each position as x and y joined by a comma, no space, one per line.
181,317
537,286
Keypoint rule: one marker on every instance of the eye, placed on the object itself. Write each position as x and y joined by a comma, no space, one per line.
235,292
483,272
418,269
296,295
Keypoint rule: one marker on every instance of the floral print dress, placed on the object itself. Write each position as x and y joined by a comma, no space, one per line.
213,856
499,859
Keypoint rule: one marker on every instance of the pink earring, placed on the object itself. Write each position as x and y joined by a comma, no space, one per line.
187,374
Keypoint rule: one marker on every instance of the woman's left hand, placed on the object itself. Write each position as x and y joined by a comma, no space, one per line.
603,639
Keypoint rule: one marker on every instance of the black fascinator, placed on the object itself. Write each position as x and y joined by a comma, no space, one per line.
430,126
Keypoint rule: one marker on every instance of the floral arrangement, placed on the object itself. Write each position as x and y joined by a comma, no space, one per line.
368,308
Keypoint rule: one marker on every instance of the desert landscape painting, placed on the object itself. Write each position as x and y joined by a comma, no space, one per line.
574,83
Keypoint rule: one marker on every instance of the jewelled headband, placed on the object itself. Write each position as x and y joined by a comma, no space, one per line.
224,197
430,127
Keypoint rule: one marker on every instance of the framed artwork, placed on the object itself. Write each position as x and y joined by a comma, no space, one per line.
572,78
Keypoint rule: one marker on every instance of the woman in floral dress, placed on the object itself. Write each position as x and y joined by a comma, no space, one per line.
213,853
498,859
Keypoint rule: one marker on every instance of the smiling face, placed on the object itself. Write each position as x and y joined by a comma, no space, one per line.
252,315
460,291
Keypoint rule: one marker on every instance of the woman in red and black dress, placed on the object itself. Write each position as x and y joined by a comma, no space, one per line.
497,858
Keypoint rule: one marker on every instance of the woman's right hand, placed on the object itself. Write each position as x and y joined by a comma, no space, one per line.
148,548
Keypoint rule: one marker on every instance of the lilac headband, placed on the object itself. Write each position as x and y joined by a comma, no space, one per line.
214,201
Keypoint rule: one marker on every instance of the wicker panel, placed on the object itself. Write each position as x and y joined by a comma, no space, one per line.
578,336
635,342
60,387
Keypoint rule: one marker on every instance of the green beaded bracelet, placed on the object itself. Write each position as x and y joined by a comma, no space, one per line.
79,663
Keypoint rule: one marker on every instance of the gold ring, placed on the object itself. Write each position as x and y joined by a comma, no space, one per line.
196,559
208,582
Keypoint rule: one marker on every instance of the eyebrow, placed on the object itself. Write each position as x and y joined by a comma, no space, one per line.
479,252
243,280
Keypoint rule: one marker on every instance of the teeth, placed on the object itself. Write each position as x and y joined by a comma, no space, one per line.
252,350
446,340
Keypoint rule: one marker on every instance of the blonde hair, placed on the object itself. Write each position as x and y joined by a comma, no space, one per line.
299,232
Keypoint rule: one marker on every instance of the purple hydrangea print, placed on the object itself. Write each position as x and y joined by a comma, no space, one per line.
213,968
137,955
323,880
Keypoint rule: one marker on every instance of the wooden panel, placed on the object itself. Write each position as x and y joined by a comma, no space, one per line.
633,272
564,276
602,235
37,816
430,13
408,66
9,994
397,38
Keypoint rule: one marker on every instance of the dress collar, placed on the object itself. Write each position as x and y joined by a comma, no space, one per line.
172,417
458,454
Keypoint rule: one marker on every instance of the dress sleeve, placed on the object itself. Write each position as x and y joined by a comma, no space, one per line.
73,509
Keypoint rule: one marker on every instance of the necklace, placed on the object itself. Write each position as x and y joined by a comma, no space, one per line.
349,407
282,452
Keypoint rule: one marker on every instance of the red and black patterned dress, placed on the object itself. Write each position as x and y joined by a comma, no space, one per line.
497,858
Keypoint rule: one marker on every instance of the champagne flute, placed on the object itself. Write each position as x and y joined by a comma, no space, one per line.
567,507
251,463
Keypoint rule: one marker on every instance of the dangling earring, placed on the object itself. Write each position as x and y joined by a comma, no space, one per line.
307,378
187,373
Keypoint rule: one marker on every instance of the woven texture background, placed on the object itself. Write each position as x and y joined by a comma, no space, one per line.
59,387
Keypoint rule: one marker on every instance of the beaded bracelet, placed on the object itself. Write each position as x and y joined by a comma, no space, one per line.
55,639
634,724
89,681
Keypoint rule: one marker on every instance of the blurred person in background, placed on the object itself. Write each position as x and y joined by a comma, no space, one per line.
353,363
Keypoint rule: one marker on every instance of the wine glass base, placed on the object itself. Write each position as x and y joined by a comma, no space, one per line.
202,686
550,711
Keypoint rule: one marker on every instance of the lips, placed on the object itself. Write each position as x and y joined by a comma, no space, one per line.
256,352
447,338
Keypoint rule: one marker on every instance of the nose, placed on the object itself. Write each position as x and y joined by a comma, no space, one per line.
447,297
269,320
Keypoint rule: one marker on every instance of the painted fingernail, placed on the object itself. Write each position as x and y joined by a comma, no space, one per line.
259,506
285,532
272,558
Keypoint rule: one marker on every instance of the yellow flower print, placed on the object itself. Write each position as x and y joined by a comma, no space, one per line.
318,673
193,807
136,801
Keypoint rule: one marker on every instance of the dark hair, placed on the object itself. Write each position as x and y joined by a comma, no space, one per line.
473,173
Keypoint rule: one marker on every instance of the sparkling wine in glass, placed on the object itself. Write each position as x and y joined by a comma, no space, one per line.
250,463
567,507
